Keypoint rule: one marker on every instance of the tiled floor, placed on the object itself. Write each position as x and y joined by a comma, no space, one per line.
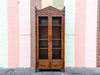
68,71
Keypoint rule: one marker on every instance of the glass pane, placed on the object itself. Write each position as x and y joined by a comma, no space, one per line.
43,21
43,43
43,53
56,32
56,37
43,32
56,21
56,54
43,37
56,44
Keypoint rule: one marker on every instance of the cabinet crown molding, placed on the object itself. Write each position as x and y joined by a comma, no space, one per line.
50,10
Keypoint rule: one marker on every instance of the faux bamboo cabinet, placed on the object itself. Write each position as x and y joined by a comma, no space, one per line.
50,37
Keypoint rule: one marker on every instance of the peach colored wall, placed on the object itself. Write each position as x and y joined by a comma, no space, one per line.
46,3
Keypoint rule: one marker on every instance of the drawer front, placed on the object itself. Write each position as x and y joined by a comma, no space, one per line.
56,65
43,65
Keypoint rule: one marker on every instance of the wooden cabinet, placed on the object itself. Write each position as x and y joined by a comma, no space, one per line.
49,38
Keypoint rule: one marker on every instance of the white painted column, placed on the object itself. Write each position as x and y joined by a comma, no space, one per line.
91,33
3,34
69,32
24,33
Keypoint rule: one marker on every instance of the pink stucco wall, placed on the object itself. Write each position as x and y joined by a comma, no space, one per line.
13,33
80,24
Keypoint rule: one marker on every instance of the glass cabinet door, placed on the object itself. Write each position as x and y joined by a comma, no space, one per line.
56,38
43,38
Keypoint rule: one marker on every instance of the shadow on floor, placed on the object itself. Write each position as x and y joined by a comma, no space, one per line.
49,70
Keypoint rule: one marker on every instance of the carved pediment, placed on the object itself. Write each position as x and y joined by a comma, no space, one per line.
50,10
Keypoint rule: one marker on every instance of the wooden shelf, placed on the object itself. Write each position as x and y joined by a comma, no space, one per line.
43,39
56,39
56,48
43,48
56,25
42,25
